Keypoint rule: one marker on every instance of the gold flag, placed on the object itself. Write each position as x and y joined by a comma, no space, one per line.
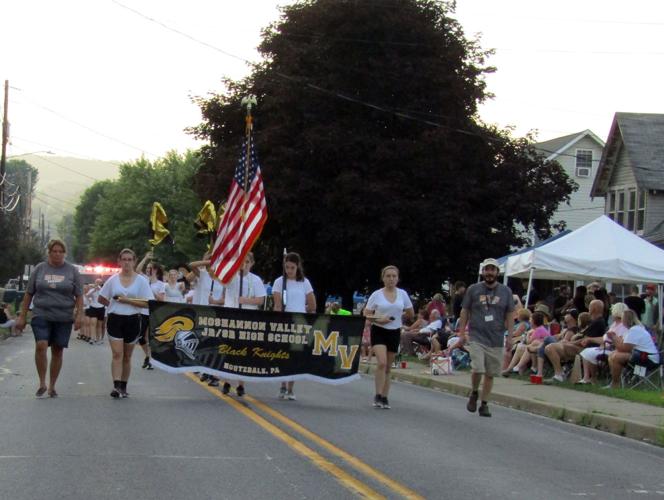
158,221
206,220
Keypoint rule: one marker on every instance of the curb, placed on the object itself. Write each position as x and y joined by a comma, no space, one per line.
623,427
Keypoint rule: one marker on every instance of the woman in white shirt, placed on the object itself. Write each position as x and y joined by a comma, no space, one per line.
296,295
173,289
251,297
125,294
385,308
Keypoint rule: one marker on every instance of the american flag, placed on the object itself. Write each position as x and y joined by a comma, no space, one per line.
243,220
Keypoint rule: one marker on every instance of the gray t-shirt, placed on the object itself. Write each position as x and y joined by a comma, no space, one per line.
487,308
54,291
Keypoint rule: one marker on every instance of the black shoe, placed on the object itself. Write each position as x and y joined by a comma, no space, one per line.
149,367
213,382
204,377
146,362
472,402
239,391
226,388
115,394
484,410
378,401
386,404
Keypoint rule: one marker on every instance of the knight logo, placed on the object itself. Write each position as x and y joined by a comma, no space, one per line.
186,342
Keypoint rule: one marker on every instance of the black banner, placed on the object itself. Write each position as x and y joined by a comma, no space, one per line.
255,345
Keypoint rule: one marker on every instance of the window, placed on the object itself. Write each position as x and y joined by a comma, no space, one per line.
620,211
584,162
631,209
611,200
641,211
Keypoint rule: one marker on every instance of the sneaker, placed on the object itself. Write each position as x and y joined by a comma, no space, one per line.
115,394
378,401
52,394
40,392
484,410
149,367
146,362
506,373
204,377
213,382
226,388
386,403
124,394
239,391
290,396
472,402
282,393
582,381
557,378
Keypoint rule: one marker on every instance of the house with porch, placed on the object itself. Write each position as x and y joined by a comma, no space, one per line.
630,175
579,154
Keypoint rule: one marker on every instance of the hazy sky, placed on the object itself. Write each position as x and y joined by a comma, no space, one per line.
90,78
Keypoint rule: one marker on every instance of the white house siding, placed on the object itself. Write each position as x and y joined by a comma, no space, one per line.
581,209
654,211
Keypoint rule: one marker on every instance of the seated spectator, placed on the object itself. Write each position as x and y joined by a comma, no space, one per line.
525,351
407,332
591,355
521,327
8,320
571,328
438,303
562,352
335,308
635,302
424,335
637,345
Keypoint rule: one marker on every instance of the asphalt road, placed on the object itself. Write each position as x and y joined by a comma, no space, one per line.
175,438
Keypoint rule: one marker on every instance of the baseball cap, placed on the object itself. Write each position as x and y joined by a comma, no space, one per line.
490,262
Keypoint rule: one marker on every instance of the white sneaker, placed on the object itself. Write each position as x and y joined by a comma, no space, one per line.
558,378
290,396
282,393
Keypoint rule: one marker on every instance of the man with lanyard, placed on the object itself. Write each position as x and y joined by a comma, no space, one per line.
487,309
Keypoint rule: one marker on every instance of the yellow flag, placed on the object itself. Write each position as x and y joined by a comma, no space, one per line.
206,220
158,221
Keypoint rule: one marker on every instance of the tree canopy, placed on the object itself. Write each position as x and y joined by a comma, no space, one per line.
112,215
371,148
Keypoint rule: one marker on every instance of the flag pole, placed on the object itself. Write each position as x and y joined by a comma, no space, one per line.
248,101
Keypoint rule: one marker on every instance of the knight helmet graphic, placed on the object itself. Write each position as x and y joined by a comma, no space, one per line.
186,342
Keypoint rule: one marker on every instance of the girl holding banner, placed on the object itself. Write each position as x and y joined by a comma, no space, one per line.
292,292
125,294
247,293
385,308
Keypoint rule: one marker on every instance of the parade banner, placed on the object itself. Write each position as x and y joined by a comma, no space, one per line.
255,345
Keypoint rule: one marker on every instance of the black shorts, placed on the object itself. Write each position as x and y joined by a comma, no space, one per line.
96,312
145,324
126,328
388,338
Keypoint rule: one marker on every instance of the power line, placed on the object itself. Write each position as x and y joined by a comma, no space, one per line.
78,155
90,129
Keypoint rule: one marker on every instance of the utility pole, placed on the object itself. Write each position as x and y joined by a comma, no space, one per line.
5,139
28,204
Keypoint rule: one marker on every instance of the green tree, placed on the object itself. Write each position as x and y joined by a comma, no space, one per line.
85,216
119,211
372,151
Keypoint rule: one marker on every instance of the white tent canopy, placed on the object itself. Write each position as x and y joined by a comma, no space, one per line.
602,249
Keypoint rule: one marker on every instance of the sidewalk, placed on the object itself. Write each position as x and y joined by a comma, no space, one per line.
626,418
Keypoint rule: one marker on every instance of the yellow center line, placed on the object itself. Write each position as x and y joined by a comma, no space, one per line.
358,464
339,474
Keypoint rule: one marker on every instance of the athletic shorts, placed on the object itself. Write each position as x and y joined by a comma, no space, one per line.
96,312
487,360
145,324
55,332
386,337
125,328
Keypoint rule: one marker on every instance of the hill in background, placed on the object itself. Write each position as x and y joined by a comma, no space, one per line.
62,181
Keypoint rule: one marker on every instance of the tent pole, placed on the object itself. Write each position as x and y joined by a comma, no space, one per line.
659,310
530,286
